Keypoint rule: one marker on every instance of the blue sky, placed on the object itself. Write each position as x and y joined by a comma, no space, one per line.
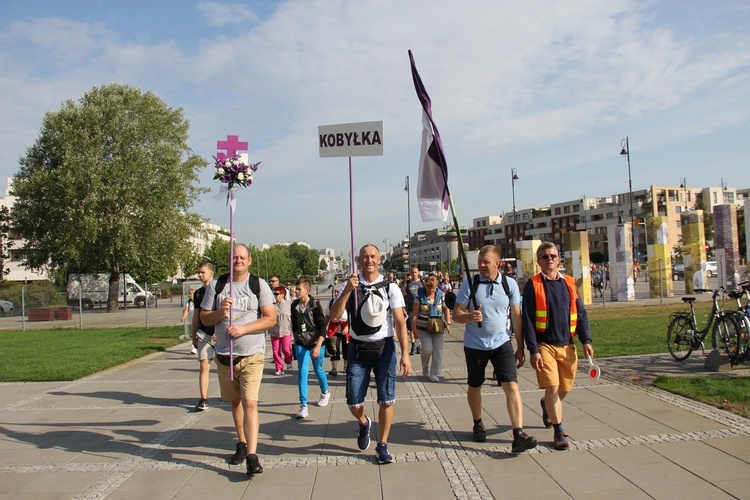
549,88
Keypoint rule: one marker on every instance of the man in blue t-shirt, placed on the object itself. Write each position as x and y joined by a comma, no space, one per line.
492,344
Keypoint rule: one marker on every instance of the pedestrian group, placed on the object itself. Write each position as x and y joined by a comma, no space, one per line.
367,316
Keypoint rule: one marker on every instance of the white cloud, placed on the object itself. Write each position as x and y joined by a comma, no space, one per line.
221,14
549,87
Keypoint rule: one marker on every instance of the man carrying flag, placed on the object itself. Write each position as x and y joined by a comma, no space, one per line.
434,200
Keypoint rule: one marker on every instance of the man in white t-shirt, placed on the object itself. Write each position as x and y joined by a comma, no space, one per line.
373,328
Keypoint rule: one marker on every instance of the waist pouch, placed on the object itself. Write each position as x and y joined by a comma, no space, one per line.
224,360
435,325
369,352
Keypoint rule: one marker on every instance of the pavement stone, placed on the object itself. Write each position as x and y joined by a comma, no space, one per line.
131,431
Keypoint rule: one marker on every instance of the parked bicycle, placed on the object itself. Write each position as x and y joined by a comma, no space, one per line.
742,317
683,335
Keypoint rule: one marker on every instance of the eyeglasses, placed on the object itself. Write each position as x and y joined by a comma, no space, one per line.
277,293
548,257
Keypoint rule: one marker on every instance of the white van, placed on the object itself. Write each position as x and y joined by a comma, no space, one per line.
711,269
94,289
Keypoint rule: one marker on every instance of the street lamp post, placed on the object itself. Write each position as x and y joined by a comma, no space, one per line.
385,242
626,153
408,220
513,179
683,185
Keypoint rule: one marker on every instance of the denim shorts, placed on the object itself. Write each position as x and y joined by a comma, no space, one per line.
358,376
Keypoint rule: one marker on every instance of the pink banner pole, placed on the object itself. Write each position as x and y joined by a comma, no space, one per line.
351,222
235,173
231,279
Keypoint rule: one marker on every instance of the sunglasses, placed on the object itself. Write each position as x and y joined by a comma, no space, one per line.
548,257
278,293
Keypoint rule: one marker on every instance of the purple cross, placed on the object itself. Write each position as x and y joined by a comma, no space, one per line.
232,145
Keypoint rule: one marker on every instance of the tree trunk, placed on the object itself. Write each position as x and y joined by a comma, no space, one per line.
114,291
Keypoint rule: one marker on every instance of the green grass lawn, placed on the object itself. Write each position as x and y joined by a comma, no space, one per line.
624,331
54,355
51,355
728,393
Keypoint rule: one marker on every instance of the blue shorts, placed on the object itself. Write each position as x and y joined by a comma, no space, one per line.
358,376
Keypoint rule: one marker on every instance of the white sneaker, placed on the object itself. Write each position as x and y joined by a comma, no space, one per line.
324,398
289,367
193,351
302,412
434,378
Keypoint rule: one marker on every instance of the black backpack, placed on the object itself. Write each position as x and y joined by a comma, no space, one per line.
253,282
450,297
503,280
354,310
198,299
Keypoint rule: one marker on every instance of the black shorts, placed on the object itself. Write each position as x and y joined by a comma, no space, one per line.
503,360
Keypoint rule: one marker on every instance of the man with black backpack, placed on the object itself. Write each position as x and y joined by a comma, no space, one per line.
250,302
375,308
491,343
203,336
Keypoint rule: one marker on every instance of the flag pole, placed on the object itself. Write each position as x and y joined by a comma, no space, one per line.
461,250
436,154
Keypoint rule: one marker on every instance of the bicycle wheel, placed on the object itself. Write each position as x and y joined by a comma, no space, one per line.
679,337
743,338
726,334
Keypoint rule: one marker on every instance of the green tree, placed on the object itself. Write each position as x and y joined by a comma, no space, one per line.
323,266
305,258
218,255
5,242
107,187
190,263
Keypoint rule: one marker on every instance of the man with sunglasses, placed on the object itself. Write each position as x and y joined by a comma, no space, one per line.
553,314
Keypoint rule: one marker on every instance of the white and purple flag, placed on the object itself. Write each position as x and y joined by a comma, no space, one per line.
432,191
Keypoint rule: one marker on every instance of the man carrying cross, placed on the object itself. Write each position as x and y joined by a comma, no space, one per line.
253,314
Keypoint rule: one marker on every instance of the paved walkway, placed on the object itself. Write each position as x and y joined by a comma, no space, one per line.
131,432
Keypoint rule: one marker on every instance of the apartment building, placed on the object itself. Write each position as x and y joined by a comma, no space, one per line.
594,215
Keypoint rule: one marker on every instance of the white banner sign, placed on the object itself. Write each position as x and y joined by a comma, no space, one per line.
351,139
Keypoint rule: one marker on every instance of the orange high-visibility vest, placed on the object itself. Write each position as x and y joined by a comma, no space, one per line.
540,315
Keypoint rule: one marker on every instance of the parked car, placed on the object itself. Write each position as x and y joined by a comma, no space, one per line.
678,271
711,269
5,306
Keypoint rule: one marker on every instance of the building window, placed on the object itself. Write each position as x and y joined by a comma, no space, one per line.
566,210
610,215
576,208
728,197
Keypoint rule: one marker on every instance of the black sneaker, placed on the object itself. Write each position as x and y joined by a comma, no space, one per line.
480,435
523,442
239,455
253,465
363,434
202,405
381,451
